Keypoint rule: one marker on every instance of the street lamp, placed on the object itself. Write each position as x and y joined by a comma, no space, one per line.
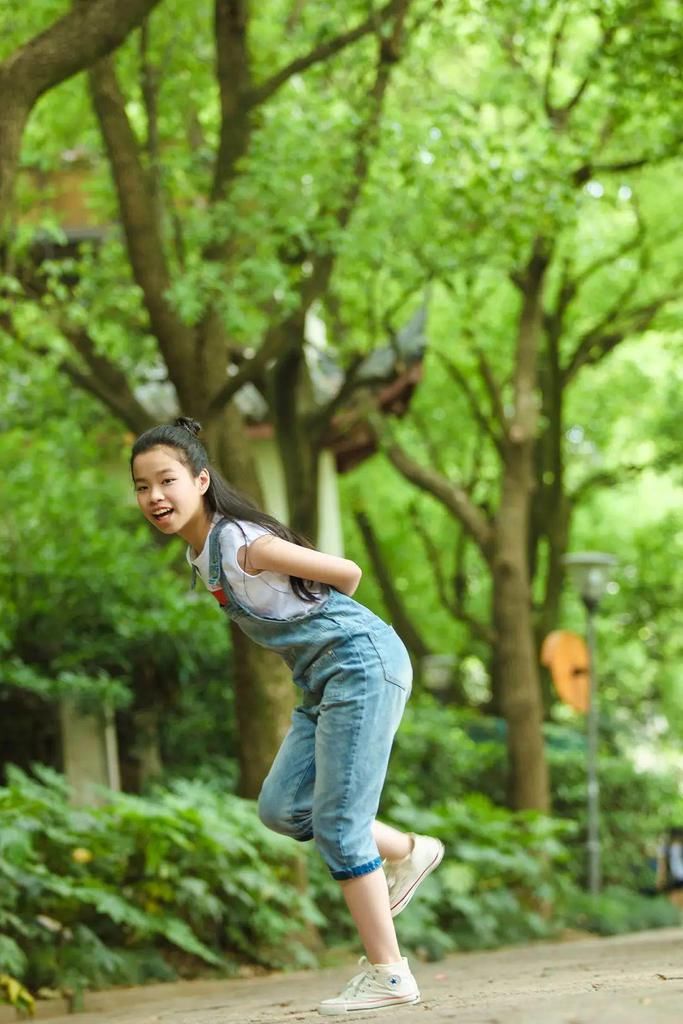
589,571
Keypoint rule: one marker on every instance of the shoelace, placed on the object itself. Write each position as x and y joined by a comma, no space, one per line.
355,985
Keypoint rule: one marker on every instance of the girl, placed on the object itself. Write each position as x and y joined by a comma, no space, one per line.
355,674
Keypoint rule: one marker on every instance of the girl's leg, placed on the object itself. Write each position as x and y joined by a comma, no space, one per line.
286,797
367,898
392,844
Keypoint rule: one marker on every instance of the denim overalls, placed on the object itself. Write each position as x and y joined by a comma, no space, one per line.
355,673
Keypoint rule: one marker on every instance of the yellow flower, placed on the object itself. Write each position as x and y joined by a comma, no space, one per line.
81,855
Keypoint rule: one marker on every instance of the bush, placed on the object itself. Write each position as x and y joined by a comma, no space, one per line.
503,878
446,752
617,910
141,888
636,807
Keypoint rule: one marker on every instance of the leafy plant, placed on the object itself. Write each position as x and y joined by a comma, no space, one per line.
184,878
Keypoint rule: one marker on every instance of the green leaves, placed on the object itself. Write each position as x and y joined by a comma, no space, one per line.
186,868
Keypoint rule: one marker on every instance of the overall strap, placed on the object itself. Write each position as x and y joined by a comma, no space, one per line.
214,557
215,566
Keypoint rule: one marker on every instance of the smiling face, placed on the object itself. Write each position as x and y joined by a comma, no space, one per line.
170,496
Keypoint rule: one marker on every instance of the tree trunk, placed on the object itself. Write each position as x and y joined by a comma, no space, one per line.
291,401
516,653
550,512
264,698
512,612
146,747
264,692
13,117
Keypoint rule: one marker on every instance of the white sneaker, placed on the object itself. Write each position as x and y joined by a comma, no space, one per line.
404,876
377,987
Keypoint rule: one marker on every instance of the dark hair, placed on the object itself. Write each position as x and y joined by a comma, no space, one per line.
182,436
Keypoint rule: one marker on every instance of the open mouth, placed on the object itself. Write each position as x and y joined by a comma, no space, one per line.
162,515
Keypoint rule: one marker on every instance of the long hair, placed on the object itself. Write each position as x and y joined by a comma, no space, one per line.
220,497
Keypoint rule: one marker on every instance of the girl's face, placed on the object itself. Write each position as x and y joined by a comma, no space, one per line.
168,494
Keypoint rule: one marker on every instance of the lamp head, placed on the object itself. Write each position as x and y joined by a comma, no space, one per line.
590,573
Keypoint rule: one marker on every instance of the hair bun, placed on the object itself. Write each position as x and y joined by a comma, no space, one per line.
192,426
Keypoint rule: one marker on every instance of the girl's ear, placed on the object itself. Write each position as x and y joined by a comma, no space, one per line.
204,480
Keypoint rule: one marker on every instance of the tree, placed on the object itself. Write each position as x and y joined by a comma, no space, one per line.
187,284
70,44
554,120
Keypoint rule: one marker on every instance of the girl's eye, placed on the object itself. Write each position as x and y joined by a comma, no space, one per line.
140,489
169,480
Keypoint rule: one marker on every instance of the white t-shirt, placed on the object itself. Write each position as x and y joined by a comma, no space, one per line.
267,593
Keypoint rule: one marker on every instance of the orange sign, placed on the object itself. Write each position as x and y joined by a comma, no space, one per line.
566,655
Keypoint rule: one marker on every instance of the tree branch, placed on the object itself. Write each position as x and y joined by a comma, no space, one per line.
351,383
92,29
607,478
143,239
82,36
488,377
597,343
453,497
250,369
149,89
106,381
585,172
233,70
402,621
128,411
482,419
455,605
372,23
559,116
434,452
314,286
434,557
553,63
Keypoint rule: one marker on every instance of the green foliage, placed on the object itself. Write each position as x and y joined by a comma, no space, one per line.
504,878
141,888
89,608
618,909
441,750
474,157
445,751
637,807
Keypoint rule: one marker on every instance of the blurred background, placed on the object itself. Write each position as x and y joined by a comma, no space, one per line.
416,267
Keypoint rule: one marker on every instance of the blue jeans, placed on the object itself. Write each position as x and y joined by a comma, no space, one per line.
355,674
326,780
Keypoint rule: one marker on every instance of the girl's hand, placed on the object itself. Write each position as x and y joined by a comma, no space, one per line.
273,554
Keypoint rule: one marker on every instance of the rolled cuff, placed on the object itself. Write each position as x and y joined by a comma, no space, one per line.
362,869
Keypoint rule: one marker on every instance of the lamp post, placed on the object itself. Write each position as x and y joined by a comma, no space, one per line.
589,571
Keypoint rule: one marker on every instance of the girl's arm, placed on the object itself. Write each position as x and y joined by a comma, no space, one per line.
276,555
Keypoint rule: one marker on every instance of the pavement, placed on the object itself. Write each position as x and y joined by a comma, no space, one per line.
632,979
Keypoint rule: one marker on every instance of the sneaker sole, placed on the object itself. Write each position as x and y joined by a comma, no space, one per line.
339,1010
407,897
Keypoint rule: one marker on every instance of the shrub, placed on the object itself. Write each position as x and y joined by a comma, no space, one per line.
142,887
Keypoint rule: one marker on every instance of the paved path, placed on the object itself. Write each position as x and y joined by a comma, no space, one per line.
634,979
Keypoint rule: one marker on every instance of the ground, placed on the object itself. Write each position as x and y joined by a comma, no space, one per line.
634,979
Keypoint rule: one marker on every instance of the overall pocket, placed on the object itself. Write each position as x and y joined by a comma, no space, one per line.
393,657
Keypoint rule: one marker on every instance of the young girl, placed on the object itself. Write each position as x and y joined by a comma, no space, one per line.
355,674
